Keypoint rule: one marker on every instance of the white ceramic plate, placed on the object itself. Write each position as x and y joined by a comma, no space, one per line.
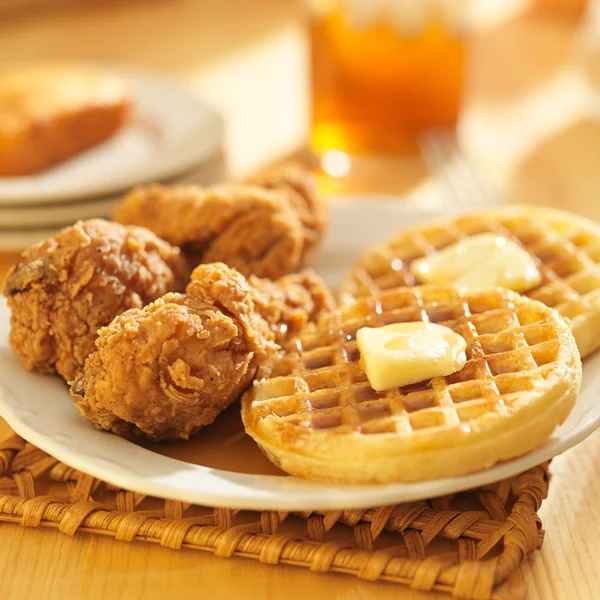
39,408
170,132
17,220
33,223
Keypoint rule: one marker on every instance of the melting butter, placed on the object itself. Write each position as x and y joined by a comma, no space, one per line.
482,260
407,353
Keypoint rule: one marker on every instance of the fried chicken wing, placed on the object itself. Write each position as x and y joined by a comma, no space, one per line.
247,227
287,304
68,286
167,370
291,302
300,186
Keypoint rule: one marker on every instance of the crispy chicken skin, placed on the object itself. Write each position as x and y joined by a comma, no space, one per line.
250,228
291,302
168,370
68,286
287,304
301,188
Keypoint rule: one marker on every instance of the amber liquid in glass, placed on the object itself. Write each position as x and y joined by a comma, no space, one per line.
374,89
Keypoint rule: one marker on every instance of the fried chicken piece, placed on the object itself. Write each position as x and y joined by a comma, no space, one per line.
247,227
68,286
301,188
286,304
291,302
168,370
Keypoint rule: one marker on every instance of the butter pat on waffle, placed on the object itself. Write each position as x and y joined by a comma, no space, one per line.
565,247
315,415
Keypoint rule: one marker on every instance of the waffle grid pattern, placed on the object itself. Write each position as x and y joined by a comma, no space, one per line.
320,385
568,257
488,533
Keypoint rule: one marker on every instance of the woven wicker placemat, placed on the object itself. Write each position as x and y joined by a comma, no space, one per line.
467,545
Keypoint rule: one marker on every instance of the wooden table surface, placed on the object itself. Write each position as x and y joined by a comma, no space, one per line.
531,120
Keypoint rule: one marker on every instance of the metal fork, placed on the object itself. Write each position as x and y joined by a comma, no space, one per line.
464,186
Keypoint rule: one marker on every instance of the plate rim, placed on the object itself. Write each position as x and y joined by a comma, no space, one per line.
350,496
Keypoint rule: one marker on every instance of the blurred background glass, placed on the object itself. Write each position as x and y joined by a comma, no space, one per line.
383,71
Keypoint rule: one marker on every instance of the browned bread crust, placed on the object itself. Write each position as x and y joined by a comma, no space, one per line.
49,113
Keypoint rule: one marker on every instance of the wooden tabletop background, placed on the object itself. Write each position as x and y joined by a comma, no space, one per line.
531,121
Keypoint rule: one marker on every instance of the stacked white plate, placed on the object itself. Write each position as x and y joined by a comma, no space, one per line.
170,137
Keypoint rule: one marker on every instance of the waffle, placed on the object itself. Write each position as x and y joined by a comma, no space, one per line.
314,414
566,246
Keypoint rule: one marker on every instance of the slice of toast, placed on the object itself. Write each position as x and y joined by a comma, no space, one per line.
49,113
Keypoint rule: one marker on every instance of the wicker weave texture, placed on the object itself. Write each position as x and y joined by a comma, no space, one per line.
466,545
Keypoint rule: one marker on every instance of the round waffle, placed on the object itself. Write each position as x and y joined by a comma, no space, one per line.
314,414
565,246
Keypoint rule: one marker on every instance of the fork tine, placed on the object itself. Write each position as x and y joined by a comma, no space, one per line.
473,194
449,148
483,189
464,182
467,197
437,159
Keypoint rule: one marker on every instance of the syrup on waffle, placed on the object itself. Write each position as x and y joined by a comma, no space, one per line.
566,248
314,414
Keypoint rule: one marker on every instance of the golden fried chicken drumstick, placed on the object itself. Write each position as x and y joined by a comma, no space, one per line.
247,227
301,188
68,286
167,370
267,229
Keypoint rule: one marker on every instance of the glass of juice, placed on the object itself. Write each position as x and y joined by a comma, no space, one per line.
382,72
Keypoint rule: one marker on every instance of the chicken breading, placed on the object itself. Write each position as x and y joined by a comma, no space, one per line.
301,188
68,286
167,370
247,227
287,304
291,302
